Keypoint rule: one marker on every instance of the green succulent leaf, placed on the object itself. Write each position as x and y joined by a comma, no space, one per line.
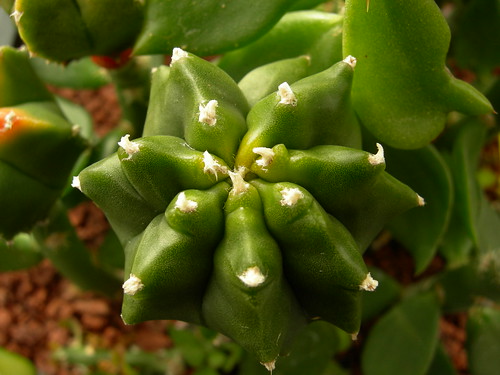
407,334
442,364
78,74
14,363
205,27
18,81
60,243
472,44
421,231
402,90
21,252
313,33
387,293
63,30
483,330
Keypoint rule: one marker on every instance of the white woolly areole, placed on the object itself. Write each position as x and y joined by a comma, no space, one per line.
421,201
290,196
132,285
212,165
378,158
354,336
130,147
286,94
252,277
238,180
185,205
351,60
16,15
208,113
270,366
76,183
178,54
369,283
9,120
266,156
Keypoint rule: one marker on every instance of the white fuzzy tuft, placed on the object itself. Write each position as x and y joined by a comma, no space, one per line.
130,147
178,54
291,196
252,277
16,15
212,165
270,366
76,183
286,94
238,180
185,205
208,113
351,60
369,283
132,285
8,121
266,156
378,158
421,201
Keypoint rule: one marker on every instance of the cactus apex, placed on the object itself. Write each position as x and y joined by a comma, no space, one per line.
290,196
185,205
286,94
378,158
76,183
252,277
351,60
130,147
177,54
237,178
132,285
208,113
266,154
369,283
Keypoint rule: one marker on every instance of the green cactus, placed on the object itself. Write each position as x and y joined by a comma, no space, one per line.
147,187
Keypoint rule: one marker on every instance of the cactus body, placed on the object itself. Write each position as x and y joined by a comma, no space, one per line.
275,251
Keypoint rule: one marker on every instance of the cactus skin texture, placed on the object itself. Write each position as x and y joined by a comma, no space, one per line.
249,238
38,146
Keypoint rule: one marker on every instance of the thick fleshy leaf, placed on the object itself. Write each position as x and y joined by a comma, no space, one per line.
18,81
13,363
59,243
78,74
78,28
386,294
441,364
205,27
421,231
402,90
473,44
405,338
483,331
19,253
313,33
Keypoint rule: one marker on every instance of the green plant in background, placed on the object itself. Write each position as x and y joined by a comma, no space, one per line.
245,189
